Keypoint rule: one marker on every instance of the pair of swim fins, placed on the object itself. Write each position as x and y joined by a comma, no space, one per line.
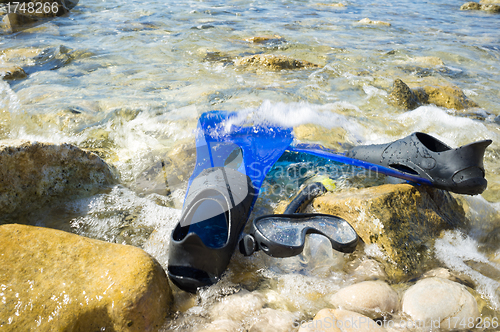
233,160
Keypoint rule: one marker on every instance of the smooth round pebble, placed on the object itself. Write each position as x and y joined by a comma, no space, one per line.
238,306
279,320
222,325
370,298
434,300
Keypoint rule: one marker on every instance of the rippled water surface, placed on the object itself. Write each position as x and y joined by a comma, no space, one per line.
129,79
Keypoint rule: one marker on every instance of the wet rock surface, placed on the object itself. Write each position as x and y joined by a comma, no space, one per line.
56,281
440,95
34,174
272,62
368,269
11,72
27,14
488,6
335,5
14,22
374,299
402,96
371,22
401,220
434,300
265,39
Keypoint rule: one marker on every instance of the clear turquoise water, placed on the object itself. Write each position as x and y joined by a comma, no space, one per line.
128,79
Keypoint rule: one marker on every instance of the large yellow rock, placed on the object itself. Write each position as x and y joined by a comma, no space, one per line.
401,219
56,281
33,174
273,62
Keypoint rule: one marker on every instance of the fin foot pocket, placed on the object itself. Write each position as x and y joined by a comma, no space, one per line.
458,170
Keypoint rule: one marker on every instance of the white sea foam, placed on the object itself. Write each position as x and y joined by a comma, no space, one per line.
449,128
454,249
106,216
295,114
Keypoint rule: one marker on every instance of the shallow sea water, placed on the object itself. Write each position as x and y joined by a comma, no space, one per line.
129,79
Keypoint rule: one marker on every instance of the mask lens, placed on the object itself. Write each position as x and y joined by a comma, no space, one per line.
281,231
290,231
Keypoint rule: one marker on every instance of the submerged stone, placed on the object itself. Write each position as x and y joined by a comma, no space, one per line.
337,5
491,8
16,22
470,6
264,39
56,281
34,174
273,62
280,320
368,269
443,273
440,302
237,306
370,22
374,299
402,220
11,72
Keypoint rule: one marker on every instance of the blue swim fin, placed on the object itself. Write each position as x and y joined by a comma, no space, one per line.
231,164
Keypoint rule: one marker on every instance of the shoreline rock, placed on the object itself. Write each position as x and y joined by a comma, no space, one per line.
273,62
34,174
265,39
52,280
489,6
450,97
367,21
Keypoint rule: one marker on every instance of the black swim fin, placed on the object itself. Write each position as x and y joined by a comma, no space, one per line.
216,209
458,170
